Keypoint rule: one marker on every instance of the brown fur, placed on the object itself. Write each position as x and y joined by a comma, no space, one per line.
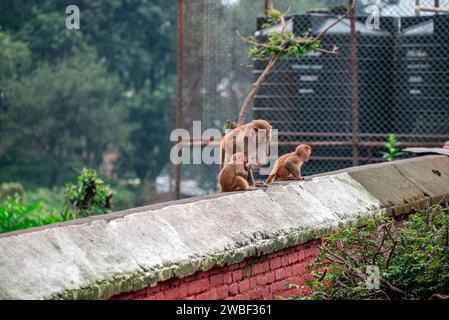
228,145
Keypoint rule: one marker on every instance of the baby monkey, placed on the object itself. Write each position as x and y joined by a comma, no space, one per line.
288,166
234,175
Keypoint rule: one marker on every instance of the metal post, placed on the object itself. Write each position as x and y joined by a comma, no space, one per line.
417,7
354,87
267,6
179,88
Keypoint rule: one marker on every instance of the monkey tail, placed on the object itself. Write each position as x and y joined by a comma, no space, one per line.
272,175
222,156
270,178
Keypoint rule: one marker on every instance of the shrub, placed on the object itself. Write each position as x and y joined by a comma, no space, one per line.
385,260
89,196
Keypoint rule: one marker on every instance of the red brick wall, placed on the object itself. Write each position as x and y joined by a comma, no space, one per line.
254,278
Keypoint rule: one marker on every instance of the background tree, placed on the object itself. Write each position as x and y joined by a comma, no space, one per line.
66,95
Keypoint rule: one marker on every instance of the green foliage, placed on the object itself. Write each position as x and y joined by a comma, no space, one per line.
53,198
392,151
412,257
69,111
66,95
89,196
16,214
14,57
287,44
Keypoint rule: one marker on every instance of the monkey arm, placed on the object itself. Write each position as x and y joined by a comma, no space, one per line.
241,172
292,166
241,184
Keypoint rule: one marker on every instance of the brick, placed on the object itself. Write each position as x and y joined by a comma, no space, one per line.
244,286
234,289
301,255
252,282
227,278
292,258
288,271
237,275
209,295
222,292
172,294
233,267
175,282
216,280
311,251
256,294
262,279
261,267
275,263
163,286
280,274
159,296
183,291
271,277
151,290
266,295
299,269
198,286
277,287
243,296
284,261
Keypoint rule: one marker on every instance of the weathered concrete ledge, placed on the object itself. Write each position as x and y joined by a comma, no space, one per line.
98,257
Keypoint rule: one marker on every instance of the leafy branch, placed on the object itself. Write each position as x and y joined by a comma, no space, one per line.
280,44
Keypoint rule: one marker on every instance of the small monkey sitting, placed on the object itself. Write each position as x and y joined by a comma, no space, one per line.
288,166
234,175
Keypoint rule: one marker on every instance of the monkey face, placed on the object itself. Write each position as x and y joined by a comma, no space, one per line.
304,151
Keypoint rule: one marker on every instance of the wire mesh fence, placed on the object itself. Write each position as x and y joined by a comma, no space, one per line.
390,78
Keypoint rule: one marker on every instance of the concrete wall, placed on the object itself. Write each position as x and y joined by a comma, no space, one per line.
166,249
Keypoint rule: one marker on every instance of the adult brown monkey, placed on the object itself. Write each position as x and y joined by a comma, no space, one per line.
240,138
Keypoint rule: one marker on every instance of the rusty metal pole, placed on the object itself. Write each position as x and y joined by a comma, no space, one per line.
179,88
267,6
354,87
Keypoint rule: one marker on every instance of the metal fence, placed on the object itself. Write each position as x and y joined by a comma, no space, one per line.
393,79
